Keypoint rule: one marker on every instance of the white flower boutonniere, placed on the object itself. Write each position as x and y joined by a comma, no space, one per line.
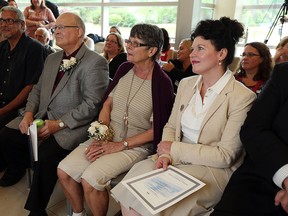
100,131
68,64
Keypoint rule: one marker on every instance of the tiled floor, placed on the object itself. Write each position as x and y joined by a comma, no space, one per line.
12,200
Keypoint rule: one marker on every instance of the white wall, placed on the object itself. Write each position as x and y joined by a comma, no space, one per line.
225,8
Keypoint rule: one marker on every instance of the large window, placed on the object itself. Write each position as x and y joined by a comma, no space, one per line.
99,15
261,20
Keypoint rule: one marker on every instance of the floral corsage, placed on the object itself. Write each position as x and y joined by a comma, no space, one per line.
100,131
68,64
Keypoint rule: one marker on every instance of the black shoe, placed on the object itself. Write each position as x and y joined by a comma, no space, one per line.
42,213
11,178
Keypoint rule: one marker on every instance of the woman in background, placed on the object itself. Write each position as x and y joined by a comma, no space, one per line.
115,29
281,54
38,15
181,67
166,52
13,3
255,66
114,52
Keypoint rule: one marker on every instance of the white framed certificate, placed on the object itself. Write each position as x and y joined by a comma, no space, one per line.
159,189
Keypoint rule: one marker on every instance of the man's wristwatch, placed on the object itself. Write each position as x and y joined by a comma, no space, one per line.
125,143
61,124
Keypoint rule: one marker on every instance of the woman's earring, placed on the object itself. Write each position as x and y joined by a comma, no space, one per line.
220,62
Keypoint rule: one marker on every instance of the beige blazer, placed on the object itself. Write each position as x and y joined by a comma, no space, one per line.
219,146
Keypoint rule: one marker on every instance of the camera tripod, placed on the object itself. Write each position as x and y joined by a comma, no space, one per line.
280,16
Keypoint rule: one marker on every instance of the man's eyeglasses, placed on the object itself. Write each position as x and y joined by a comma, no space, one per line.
134,43
9,21
249,54
61,27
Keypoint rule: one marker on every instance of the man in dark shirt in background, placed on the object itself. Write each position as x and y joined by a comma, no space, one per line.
53,7
21,63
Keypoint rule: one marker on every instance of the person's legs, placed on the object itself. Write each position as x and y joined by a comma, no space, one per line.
69,172
97,176
14,155
72,190
97,200
45,176
6,118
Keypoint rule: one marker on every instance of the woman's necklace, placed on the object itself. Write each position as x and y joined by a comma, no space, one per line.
128,102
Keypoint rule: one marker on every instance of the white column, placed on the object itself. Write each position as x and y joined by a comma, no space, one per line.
187,19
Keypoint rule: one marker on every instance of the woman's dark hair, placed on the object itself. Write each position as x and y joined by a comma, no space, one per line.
166,44
42,5
265,67
117,29
150,34
3,3
223,33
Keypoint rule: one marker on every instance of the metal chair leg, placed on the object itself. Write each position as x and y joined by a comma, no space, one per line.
69,210
29,178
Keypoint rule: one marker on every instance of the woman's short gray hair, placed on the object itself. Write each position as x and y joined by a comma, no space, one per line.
150,34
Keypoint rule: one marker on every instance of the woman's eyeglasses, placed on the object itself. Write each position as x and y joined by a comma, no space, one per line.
249,54
112,41
134,43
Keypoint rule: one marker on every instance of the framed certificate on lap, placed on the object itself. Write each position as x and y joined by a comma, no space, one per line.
159,189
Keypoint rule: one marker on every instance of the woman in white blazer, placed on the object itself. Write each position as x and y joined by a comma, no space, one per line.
202,134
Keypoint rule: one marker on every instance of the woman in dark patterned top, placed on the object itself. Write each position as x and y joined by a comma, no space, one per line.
255,66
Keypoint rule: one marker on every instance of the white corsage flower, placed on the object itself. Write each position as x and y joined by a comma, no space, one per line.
68,64
100,132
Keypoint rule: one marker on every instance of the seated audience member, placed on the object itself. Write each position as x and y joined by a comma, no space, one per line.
281,54
53,7
181,67
260,185
13,3
114,52
166,52
137,106
89,42
38,15
43,36
23,58
255,66
191,141
67,97
115,29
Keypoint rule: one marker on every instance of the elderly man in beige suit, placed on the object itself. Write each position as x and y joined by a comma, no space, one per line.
68,97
